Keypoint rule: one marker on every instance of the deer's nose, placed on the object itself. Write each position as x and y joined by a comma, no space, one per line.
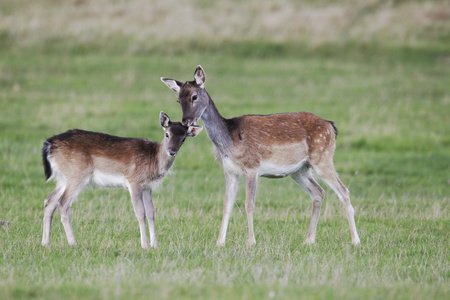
172,152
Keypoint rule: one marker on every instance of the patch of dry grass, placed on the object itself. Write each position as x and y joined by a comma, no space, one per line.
146,23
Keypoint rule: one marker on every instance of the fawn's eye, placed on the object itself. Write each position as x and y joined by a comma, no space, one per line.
167,135
194,97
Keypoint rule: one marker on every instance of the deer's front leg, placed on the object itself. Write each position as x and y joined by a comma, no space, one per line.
150,214
251,183
231,186
139,209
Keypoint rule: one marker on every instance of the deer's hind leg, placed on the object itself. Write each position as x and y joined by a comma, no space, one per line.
307,182
325,169
69,195
50,204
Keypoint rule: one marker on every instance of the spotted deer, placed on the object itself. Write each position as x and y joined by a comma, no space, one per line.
274,146
76,158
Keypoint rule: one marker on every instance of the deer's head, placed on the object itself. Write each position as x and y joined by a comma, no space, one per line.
176,133
192,96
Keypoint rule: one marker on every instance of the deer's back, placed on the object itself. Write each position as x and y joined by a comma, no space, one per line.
87,151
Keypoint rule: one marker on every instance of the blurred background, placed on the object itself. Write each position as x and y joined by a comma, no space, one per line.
139,26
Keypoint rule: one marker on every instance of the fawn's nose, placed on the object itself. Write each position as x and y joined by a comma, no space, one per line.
172,152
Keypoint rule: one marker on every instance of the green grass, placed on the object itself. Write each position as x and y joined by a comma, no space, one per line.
390,101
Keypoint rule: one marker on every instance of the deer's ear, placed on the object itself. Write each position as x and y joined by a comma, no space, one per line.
174,85
164,119
199,76
194,130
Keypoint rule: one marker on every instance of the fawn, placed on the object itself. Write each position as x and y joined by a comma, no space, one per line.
76,158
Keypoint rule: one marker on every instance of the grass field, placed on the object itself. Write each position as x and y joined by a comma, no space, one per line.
380,71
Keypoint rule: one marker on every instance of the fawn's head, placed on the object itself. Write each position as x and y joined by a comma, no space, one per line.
176,133
192,96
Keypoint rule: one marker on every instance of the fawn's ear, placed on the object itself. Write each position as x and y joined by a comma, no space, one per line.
200,77
194,130
173,84
164,119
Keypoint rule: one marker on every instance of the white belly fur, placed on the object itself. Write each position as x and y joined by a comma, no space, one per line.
107,179
267,169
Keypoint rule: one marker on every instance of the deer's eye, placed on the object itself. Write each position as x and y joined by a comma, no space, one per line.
167,135
194,97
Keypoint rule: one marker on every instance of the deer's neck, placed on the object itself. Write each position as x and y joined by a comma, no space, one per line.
163,160
216,127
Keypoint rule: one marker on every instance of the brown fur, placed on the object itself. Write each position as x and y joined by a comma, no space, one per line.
261,134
